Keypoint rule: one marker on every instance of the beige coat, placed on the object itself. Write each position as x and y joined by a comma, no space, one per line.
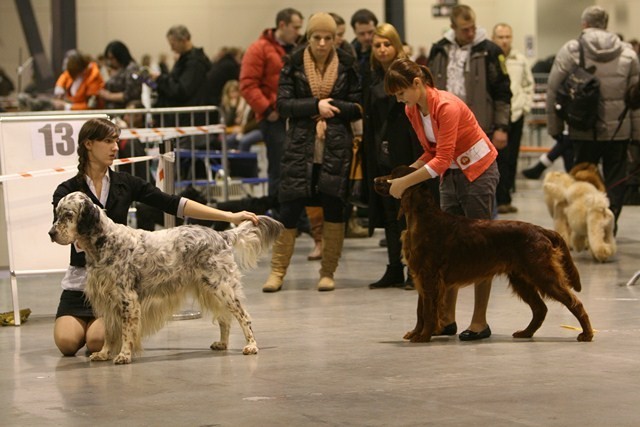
617,68
521,84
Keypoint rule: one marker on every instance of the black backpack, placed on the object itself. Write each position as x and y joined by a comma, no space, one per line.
578,96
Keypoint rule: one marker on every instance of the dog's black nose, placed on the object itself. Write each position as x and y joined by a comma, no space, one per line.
52,234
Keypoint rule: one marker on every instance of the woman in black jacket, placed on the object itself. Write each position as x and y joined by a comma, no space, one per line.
386,133
318,93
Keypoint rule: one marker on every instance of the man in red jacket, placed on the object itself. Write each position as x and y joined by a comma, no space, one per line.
259,75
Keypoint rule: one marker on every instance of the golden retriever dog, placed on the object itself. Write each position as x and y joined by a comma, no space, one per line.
579,206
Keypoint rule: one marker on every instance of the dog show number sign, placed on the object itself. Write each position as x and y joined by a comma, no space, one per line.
50,140
35,143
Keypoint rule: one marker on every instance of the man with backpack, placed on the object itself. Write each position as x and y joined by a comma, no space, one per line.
615,64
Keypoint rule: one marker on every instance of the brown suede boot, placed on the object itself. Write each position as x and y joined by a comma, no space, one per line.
333,239
315,215
280,258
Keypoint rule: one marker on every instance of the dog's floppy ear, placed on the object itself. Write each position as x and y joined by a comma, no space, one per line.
380,184
89,217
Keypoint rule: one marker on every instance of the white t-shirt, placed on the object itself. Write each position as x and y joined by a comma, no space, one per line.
458,57
75,278
427,124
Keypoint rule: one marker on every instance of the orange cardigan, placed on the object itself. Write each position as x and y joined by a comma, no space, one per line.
458,135
90,86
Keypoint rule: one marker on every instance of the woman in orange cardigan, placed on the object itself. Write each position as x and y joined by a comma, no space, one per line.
460,153
78,86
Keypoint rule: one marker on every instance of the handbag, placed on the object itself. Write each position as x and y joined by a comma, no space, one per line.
357,189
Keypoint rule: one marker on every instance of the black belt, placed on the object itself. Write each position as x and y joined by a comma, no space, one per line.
452,170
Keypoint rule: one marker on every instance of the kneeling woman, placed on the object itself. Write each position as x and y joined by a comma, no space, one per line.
461,154
76,323
318,94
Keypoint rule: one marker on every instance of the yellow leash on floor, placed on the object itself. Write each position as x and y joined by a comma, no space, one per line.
7,319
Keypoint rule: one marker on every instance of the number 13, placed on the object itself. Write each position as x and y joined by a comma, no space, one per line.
66,146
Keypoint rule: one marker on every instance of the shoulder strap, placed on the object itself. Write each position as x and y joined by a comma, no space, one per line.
581,50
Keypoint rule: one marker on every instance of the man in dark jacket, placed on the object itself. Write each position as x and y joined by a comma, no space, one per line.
186,84
477,74
363,23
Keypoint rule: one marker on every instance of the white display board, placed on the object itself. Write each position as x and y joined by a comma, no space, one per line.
36,143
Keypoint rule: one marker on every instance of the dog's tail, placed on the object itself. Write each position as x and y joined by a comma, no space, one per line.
251,241
600,224
566,262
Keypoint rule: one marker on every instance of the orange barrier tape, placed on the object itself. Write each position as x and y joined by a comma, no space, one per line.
56,170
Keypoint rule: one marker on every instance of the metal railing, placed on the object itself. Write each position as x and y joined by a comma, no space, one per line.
162,118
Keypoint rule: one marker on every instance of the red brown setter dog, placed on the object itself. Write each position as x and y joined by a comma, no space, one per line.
444,250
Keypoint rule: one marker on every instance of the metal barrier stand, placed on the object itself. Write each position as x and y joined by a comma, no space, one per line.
131,115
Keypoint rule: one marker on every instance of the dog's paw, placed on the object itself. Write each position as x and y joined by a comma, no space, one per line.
218,346
99,356
122,359
421,338
585,337
250,349
409,335
522,334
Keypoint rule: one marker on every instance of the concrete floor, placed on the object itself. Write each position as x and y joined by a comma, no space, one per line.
338,358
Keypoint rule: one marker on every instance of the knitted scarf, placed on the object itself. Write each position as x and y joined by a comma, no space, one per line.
321,85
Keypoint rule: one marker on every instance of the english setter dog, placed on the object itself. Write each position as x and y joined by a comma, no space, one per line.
136,279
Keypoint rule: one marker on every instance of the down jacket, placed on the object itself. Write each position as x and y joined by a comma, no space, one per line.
259,73
617,68
299,106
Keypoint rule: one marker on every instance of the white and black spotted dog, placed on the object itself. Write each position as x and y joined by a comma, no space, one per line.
136,279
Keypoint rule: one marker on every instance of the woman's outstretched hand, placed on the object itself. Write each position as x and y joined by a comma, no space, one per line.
238,217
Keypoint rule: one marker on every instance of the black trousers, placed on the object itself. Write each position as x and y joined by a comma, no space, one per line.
613,155
563,147
508,163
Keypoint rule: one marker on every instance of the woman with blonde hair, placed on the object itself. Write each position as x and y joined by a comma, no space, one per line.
242,128
318,93
389,141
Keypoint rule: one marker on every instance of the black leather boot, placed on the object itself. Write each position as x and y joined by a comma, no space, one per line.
393,278
534,172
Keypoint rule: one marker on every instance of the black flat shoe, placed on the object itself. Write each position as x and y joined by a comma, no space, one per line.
469,335
450,329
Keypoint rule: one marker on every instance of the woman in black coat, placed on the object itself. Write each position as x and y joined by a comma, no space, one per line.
386,132
318,93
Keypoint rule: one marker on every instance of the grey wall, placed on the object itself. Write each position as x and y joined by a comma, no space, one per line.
557,22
